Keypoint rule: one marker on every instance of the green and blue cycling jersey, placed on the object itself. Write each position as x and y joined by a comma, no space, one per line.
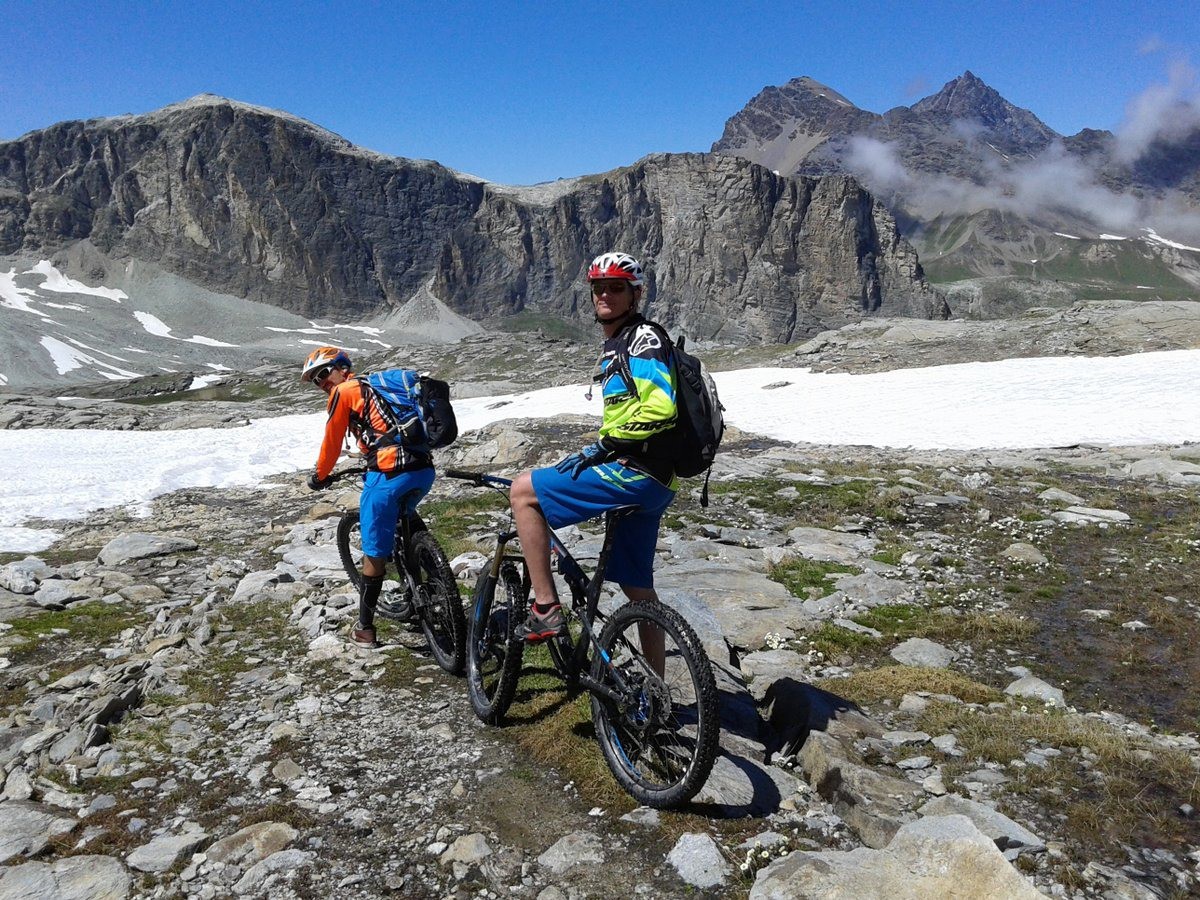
638,385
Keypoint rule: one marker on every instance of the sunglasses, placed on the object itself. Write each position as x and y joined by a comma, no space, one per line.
614,287
321,374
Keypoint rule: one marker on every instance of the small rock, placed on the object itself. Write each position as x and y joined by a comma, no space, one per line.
698,860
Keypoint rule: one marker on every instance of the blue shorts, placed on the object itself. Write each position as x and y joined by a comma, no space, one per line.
379,507
567,501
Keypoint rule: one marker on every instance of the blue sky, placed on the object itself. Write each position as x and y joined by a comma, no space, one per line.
528,92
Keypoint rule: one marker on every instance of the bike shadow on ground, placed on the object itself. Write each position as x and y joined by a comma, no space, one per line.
540,694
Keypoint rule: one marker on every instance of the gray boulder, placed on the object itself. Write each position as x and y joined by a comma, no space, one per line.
923,652
944,856
873,804
128,547
74,878
161,853
26,828
1004,831
576,849
698,860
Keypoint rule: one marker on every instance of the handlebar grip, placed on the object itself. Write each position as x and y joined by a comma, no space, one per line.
481,479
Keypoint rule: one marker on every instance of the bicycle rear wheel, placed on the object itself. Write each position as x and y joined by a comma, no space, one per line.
349,544
439,606
660,738
493,652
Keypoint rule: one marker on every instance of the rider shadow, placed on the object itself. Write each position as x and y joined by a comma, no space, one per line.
794,710
741,784
744,783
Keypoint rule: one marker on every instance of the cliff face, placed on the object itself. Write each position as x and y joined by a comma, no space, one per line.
732,251
265,206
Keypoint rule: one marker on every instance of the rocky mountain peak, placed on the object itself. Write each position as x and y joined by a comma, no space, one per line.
969,98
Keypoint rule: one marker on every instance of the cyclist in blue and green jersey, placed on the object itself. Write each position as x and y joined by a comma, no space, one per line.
625,466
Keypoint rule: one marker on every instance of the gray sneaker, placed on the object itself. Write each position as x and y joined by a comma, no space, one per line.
542,626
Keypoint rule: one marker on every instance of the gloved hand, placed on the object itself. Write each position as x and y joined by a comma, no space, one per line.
319,484
589,456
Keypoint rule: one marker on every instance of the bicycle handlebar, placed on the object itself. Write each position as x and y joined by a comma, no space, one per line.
480,479
346,473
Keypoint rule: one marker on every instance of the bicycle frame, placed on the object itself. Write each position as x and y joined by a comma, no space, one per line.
573,668
402,554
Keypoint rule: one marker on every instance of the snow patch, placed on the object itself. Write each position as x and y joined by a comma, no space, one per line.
157,327
67,358
1072,237
59,283
203,381
12,296
1112,237
1145,398
1152,235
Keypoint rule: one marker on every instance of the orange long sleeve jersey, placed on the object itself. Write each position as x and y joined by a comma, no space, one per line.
352,405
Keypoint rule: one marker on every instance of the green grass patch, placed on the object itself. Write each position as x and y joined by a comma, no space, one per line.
893,682
1132,803
833,640
811,504
808,577
92,623
555,727
452,519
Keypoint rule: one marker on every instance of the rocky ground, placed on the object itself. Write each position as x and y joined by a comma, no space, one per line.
980,660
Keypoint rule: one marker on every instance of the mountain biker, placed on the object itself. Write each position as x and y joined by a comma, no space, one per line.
396,466
638,385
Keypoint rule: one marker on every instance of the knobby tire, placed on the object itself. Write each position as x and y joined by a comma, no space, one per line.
660,745
442,618
493,652
349,542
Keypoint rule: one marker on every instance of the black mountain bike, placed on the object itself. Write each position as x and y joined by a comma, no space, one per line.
428,590
657,730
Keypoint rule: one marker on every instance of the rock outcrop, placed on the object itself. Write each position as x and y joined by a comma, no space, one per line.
261,205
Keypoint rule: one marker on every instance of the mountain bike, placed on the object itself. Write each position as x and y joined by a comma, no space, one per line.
657,730
427,587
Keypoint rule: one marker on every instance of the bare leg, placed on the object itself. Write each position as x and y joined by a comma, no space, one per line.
535,539
651,636
374,566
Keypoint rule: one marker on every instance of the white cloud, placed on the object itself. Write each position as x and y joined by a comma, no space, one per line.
1163,112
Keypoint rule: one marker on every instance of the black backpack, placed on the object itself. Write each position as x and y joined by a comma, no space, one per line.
692,444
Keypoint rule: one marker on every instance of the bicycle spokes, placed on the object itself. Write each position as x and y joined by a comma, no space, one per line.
656,725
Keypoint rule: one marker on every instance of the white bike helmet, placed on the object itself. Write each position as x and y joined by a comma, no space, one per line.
615,264
324,356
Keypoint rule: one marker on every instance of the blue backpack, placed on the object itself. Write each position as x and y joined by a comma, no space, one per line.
416,406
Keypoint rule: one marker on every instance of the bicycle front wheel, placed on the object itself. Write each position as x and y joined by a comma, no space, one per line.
349,544
493,652
440,607
660,737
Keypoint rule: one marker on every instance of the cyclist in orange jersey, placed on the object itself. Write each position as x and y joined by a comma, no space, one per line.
399,466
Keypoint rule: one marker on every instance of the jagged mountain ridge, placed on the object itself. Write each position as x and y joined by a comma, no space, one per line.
929,136
265,206
984,187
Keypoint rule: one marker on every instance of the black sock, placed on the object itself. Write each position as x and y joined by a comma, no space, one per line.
368,597
542,608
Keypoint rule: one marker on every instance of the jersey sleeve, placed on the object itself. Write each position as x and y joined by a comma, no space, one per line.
649,409
335,430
